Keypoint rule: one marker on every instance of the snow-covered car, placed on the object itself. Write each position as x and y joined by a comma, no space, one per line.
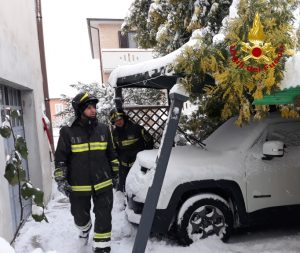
241,177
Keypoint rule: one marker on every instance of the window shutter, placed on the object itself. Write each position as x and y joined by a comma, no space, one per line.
123,40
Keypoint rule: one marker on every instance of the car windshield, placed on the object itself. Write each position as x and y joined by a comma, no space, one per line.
231,137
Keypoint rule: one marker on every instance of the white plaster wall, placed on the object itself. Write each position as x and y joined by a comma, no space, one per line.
5,208
20,68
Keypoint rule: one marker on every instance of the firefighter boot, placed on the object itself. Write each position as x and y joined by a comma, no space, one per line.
102,250
84,233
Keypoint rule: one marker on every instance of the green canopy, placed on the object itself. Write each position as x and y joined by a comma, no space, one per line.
281,97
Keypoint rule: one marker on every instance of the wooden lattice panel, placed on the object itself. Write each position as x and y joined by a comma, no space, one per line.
153,118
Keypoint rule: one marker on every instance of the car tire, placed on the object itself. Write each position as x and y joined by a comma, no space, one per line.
202,216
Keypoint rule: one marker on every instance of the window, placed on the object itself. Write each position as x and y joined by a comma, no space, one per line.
10,99
58,108
127,40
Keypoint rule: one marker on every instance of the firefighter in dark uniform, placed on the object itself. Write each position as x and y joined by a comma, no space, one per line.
85,162
129,139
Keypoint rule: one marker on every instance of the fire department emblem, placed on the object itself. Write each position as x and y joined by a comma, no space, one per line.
257,49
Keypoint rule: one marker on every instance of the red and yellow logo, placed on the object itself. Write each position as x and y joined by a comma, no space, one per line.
257,50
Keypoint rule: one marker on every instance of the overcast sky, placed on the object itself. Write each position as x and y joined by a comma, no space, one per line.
68,53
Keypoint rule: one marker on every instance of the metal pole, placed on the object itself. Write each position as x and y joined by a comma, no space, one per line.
162,160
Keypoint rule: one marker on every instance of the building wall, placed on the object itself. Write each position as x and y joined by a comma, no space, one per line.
109,37
20,68
54,103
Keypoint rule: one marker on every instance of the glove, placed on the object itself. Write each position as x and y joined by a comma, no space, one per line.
60,173
64,187
60,176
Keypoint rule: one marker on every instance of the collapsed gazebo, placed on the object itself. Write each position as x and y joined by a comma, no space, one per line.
154,74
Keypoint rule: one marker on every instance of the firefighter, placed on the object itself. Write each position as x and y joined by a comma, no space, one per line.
85,163
129,139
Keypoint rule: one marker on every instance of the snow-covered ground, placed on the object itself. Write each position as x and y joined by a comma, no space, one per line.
60,236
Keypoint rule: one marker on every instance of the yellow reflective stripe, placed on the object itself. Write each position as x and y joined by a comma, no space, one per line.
98,145
103,184
81,188
115,161
102,235
116,114
84,96
129,142
85,188
58,173
115,165
127,164
79,147
89,146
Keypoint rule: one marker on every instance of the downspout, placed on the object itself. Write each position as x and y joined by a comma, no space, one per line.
90,27
39,22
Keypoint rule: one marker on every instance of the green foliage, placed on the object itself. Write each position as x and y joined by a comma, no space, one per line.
138,22
5,131
298,38
235,87
166,25
131,96
21,147
14,172
39,218
27,192
144,96
201,122
14,114
104,94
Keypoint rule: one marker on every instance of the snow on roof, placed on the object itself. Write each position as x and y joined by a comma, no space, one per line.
150,66
142,67
292,74
179,89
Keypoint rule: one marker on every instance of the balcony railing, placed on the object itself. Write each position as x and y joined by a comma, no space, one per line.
112,58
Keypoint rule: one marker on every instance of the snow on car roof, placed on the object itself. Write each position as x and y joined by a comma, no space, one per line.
230,137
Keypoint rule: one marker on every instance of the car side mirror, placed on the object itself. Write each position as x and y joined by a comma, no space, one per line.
273,149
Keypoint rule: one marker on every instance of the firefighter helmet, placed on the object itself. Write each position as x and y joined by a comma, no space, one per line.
116,114
81,101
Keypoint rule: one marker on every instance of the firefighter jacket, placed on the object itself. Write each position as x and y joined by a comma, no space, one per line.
129,140
88,154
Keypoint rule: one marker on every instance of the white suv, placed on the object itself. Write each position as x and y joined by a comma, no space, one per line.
241,176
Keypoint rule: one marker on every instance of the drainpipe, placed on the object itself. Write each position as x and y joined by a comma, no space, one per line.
90,27
38,10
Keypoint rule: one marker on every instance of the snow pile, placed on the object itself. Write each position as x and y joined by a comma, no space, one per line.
5,247
60,236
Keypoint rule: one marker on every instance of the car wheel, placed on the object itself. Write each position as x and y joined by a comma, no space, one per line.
202,216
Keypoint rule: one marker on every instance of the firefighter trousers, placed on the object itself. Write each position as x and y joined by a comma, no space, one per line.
103,203
123,172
